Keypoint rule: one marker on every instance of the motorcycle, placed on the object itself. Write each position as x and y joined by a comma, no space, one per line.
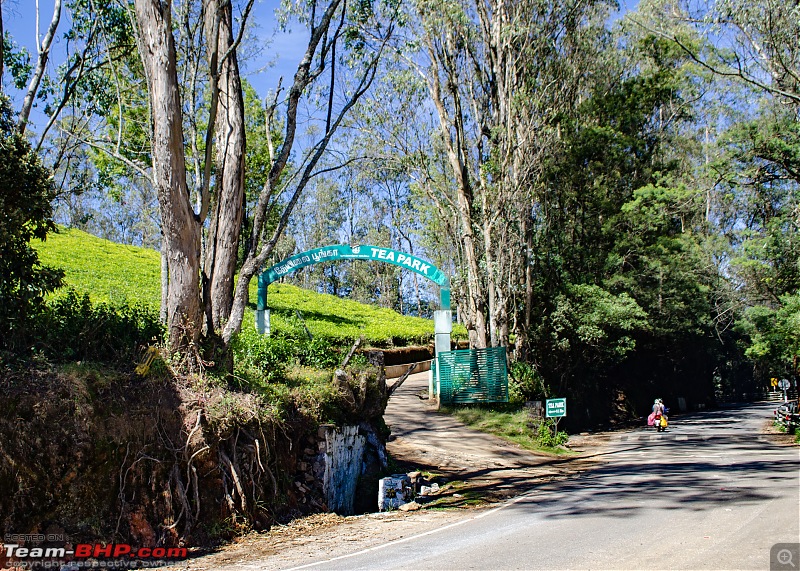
658,421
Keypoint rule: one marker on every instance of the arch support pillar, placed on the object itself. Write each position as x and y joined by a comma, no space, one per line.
262,312
442,328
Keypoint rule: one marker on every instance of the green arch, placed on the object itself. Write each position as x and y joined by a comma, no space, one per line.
345,252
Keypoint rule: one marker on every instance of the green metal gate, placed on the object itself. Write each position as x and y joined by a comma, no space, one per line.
471,376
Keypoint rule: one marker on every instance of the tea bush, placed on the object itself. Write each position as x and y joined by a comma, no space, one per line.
70,327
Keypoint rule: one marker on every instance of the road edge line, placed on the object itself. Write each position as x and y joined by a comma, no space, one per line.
419,535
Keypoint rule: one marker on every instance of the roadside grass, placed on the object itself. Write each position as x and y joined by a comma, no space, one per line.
116,274
456,494
511,424
779,427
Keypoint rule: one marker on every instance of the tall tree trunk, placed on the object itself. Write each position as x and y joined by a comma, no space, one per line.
491,276
2,46
181,230
261,244
475,290
163,311
523,332
452,127
222,243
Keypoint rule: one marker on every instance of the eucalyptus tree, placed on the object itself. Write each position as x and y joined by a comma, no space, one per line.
96,35
338,34
43,55
354,205
499,75
758,180
754,48
391,150
755,43
78,74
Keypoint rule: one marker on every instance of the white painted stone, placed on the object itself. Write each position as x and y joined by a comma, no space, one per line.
394,491
262,321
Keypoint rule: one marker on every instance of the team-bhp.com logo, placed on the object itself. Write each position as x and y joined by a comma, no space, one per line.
89,555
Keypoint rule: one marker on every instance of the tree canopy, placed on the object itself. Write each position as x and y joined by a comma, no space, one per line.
615,199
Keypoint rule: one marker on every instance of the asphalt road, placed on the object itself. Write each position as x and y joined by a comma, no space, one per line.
711,493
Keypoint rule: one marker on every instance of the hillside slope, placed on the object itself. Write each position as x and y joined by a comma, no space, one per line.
107,271
116,273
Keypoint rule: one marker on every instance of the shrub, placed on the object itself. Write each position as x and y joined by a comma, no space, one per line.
525,383
71,327
26,192
547,436
320,353
260,354
269,357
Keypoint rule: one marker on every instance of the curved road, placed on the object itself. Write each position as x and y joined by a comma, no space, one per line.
711,493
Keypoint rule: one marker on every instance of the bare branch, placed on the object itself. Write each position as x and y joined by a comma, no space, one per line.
41,64
70,83
269,113
737,72
141,169
255,261
318,150
2,46
339,166
234,46
302,79
213,37
333,69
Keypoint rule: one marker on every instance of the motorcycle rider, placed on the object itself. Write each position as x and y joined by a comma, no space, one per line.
659,411
658,407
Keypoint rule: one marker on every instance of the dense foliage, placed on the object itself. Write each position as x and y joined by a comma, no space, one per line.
26,194
614,199
70,327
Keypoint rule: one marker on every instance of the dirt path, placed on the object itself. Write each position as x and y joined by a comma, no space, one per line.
421,434
488,466
476,470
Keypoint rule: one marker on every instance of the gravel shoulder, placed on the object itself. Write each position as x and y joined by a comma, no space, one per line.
477,471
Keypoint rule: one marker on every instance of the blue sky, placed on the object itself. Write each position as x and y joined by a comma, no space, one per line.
279,52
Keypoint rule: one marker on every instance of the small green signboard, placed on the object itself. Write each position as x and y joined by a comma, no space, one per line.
556,408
